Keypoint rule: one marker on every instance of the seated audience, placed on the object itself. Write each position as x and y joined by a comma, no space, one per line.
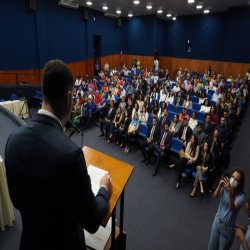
205,108
148,106
152,137
189,161
179,100
135,110
202,98
213,116
155,109
170,97
164,119
97,98
132,131
140,102
78,113
162,96
175,126
188,103
161,110
201,136
205,163
207,126
193,121
162,146
154,94
122,105
123,128
215,144
185,133
223,130
183,115
176,88
143,116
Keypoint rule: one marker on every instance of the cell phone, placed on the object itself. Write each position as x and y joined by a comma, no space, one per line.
234,225
226,174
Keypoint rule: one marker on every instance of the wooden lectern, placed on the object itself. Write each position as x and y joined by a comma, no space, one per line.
120,173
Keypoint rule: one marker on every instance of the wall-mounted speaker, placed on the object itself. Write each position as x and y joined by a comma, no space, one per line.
33,4
85,15
119,22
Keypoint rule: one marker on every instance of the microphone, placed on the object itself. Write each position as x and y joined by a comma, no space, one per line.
72,125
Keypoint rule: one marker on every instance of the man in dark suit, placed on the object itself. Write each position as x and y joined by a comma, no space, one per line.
228,121
47,175
179,100
215,144
108,119
218,108
223,130
185,133
201,136
162,146
164,120
207,126
152,136
231,112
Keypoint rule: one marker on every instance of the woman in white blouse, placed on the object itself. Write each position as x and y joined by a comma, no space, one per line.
193,121
135,110
170,97
202,98
161,110
143,116
205,108
162,96
188,103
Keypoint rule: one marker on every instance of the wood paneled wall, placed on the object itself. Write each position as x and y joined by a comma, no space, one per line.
170,63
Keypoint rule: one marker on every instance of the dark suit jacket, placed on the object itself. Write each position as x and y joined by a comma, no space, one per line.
232,115
156,133
201,138
180,103
209,130
167,142
189,133
217,146
219,110
112,114
167,121
48,182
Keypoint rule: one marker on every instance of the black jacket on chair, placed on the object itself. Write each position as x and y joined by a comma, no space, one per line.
156,133
49,184
189,133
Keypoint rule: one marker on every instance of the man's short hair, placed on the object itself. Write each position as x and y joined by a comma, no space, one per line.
184,119
57,78
154,118
199,125
79,94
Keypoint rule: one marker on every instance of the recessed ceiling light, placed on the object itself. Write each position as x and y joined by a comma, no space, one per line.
190,1
206,11
89,3
174,18
159,11
169,15
118,12
199,7
130,15
136,2
105,7
149,7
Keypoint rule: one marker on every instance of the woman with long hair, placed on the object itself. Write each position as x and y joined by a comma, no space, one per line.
205,163
161,110
170,97
213,116
193,122
175,126
155,109
188,103
135,110
148,105
143,116
189,161
202,98
140,102
205,108
231,193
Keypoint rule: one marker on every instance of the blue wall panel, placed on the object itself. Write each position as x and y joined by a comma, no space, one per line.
169,38
160,36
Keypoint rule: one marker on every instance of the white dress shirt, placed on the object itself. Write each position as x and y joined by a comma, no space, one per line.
45,112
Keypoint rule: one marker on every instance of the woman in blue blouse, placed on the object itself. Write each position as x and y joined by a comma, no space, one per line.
132,131
231,191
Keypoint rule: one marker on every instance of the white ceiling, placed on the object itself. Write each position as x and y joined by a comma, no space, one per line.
174,7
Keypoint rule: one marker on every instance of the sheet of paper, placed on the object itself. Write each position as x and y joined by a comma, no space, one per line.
95,175
99,239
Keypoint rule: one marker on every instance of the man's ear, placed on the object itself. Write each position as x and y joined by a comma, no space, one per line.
68,98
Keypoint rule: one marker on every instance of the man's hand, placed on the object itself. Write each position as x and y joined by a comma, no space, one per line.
106,181
148,141
239,233
163,148
184,144
106,120
244,230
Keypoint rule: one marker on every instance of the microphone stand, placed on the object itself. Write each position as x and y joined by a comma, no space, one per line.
75,129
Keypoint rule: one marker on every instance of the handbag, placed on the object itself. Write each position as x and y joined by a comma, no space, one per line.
182,153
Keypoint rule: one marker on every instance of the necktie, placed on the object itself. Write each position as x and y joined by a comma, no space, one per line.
152,133
163,139
206,125
110,110
163,121
183,134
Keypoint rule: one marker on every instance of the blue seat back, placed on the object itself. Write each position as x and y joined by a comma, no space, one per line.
171,107
240,104
196,106
203,90
211,92
143,130
200,116
171,116
2,100
190,112
176,145
212,103
116,98
209,97
173,84
179,110
152,102
14,97
150,119
193,99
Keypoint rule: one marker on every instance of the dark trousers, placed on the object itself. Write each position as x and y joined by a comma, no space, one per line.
143,145
128,137
161,153
119,134
180,165
88,117
112,127
107,124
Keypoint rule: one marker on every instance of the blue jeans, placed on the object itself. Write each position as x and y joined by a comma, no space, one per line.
222,235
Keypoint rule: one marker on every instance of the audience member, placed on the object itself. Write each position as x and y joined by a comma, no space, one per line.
205,108
201,136
223,130
185,133
179,100
164,119
188,103
143,116
213,116
155,109
193,121
161,110
207,126
175,126
78,113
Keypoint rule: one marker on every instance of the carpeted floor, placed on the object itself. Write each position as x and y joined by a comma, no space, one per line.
157,216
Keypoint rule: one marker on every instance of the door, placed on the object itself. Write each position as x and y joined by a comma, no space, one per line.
97,53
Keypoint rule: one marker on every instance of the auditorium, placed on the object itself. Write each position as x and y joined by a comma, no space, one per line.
124,124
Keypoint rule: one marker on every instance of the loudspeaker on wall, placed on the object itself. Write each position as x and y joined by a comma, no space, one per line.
33,4
119,22
85,15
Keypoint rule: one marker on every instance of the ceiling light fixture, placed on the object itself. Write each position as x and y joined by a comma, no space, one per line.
159,11
105,7
149,7
198,7
190,1
169,15
118,12
206,11
136,2
89,3
174,18
130,15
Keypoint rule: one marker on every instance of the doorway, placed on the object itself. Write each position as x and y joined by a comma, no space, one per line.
157,55
97,54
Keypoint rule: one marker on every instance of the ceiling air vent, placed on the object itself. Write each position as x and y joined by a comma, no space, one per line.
108,14
68,4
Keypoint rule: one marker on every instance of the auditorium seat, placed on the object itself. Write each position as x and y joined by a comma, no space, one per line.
143,130
179,110
190,112
14,97
193,99
212,103
171,107
196,106
200,116
176,145
171,116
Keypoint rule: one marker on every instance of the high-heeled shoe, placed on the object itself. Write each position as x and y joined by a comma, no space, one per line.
192,196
